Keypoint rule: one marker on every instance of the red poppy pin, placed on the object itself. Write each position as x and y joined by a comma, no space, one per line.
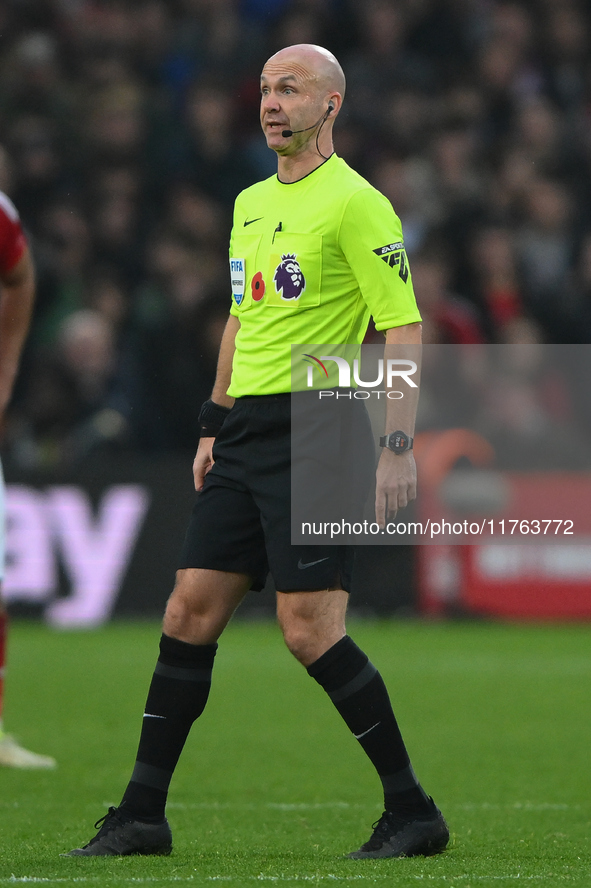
258,287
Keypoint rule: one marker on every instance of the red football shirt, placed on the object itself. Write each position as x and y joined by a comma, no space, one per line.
12,239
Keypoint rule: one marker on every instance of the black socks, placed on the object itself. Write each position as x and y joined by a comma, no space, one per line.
177,696
357,690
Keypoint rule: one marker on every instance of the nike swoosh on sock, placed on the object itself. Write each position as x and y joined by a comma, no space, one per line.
359,736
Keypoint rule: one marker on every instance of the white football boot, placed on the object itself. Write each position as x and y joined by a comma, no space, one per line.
13,755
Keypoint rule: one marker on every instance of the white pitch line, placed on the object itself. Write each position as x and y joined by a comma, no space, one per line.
316,877
272,806
321,806
516,806
13,880
374,877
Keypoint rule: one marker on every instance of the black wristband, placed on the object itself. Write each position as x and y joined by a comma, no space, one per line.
211,418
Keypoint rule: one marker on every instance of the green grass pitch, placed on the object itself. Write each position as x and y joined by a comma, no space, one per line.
272,788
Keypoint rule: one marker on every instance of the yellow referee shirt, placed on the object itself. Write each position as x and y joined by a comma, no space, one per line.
309,263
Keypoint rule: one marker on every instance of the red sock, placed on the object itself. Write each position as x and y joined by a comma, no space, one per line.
3,634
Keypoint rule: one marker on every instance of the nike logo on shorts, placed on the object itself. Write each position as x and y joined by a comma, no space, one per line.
303,566
250,221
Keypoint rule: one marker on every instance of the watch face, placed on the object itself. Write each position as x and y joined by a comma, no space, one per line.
399,442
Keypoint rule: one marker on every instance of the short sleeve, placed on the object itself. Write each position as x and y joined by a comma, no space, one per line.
370,237
233,307
12,239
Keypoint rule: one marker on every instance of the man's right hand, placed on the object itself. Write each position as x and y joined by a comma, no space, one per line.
203,462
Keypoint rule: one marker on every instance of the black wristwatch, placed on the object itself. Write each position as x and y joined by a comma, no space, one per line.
397,442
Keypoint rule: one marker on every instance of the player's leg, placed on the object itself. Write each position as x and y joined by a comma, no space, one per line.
223,556
3,634
12,754
311,606
313,624
198,610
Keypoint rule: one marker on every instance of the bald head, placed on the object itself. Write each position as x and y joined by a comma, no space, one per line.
313,63
302,89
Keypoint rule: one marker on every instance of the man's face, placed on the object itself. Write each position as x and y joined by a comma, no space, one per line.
290,99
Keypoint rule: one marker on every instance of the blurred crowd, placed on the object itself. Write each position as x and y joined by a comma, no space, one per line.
127,129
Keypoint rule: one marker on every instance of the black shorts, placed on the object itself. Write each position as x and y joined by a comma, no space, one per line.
241,521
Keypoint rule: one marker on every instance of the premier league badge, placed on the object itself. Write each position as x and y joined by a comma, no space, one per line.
289,279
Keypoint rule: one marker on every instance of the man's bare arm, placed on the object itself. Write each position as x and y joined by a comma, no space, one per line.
396,480
204,459
224,368
17,295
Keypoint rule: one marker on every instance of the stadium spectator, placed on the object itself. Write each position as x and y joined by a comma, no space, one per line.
409,185
75,403
545,248
126,120
447,318
208,151
496,280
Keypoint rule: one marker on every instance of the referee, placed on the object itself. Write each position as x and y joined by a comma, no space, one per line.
306,267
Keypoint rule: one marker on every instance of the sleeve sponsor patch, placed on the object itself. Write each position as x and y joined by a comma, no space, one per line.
238,279
394,256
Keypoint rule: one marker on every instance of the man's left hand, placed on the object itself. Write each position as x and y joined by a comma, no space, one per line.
396,484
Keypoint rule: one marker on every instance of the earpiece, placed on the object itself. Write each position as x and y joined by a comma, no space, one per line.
287,133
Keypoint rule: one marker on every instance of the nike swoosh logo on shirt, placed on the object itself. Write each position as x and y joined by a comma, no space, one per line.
250,221
303,566
150,715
